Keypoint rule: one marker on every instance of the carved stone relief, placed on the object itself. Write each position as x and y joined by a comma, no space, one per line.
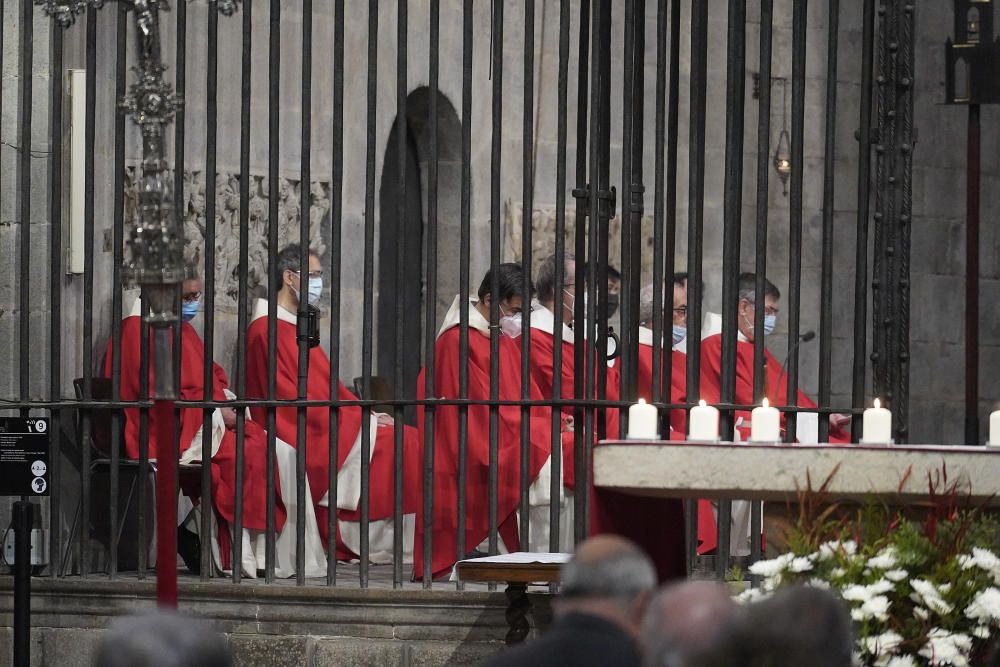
227,226
543,236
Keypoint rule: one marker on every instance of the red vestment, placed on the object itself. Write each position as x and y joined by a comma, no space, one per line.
776,384
318,428
446,445
224,461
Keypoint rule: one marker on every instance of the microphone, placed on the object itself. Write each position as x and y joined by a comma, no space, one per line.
804,338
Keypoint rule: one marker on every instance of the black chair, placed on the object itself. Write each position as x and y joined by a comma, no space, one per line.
131,471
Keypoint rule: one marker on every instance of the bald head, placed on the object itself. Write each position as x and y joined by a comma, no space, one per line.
691,624
609,577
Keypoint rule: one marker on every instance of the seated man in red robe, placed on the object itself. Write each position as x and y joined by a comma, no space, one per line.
224,444
443,532
352,420
775,378
678,359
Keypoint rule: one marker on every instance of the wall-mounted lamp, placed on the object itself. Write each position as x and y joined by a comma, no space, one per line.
783,151
77,84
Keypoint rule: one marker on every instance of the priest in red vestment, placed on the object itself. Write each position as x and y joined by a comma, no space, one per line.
678,359
224,444
775,379
352,420
443,532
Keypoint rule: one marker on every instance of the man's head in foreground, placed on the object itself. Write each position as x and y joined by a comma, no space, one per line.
286,275
510,297
549,291
747,307
692,624
609,577
161,639
798,625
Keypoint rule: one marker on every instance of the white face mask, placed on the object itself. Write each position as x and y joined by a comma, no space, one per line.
315,291
510,325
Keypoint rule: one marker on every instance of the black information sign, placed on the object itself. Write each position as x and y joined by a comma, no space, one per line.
24,456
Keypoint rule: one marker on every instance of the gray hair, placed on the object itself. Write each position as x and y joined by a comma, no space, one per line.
748,288
288,259
621,575
545,282
161,639
646,303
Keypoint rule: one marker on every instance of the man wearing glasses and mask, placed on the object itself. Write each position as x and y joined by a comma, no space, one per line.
510,300
351,420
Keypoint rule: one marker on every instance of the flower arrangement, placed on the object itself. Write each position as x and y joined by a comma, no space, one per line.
922,583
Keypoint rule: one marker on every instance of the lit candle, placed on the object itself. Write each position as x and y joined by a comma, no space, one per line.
765,424
643,422
994,440
703,423
877,425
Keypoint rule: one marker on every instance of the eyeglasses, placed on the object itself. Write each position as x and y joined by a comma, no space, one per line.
312,274
681,310
191,296
768,310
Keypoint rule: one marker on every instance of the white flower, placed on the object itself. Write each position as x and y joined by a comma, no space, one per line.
816,582
966,562
885,560
751,595
925,592
880,586
944,648
877,606
859,615
856,593
800,564
944,588
985,606
901,661
896,575
882,644
921,613
830,549
981,631
773,567
986,559
838,572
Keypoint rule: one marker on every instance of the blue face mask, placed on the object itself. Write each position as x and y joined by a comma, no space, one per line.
769,323
189,309
315,290
680,331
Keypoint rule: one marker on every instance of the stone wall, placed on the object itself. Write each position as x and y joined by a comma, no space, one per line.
938,243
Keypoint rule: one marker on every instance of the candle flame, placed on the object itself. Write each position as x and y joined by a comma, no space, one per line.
702,403
642,401
765,403
877,404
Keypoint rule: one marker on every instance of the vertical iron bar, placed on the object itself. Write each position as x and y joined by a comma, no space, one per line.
366,347
242,306
208,374
760,388
972,279
600,233
466,214
556,478
580,345
118,223
402,132
273,194
336,263
55,287
826,280
659,386
430,301
864,189
627,376
88,283
496,58
305,191
25,63
904,174
527,205
799,10
670,205
732,226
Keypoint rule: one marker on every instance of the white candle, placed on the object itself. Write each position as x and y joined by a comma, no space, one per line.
994,440
877,425
643,422
703,424
765,424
